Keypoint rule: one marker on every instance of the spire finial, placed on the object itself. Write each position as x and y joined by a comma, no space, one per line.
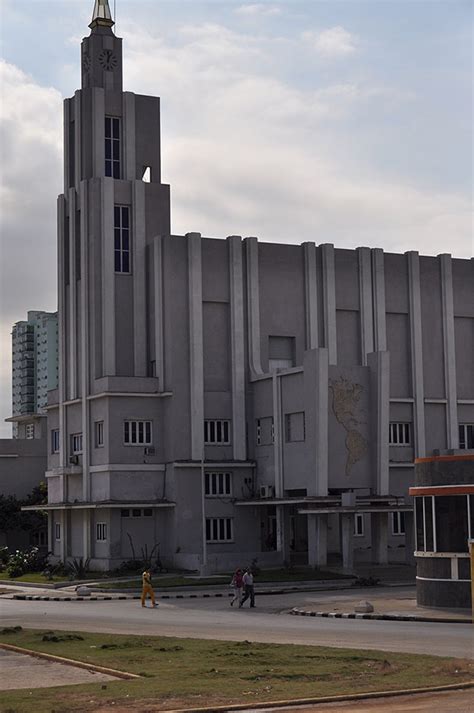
101,15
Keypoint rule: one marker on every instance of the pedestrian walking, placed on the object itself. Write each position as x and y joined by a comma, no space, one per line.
249,591
147,589
237,584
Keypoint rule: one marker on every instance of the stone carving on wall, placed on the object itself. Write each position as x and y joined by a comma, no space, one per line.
345,405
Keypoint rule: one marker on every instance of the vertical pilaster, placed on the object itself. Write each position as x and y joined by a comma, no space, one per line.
365,299
85,353
282,533
317,540
139,278
158,294
62,368
409,538
129,136
234,243
98,131
449,350
316,396
277,435
329,306
311,295
63,548
379,363
77,139
253,307
73,297
196,345
67,148
86,534
378,287
416,346
108,278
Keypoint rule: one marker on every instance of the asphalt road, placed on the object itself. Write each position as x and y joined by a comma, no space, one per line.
215,619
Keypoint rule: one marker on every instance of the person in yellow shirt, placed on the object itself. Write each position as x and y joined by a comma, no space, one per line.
147,588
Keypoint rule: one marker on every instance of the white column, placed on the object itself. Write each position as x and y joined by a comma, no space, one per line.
108,278
378,287
379,534
196,345
282,533
86,534
311,295
130,171
158,295
329,307
409,538
416,352
139,278
449,350
98,131
365,298
253,307
234,243
347,534
379,363
64,533
317,540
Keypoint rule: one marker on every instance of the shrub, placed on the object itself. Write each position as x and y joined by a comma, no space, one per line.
78,568
24,561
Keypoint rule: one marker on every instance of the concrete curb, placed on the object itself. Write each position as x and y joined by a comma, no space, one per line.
324,699
185,595
383,617
70,662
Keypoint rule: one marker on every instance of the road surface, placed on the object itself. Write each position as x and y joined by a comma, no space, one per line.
215,619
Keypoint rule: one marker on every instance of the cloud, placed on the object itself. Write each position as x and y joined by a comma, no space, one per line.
30,179
334,43
257,9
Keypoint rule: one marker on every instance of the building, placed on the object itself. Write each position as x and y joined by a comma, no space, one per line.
444,516
227,398
34,369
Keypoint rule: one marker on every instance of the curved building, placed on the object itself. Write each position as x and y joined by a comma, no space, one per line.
444,524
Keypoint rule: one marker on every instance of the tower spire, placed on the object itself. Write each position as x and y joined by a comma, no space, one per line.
101,17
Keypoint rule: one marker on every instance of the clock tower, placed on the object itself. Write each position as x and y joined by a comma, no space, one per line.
102,52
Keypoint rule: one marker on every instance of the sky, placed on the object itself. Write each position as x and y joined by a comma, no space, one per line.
345,121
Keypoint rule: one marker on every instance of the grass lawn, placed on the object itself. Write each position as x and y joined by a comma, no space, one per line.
193,672
270,575
34,577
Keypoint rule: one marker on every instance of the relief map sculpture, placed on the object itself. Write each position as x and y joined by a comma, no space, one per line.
345,403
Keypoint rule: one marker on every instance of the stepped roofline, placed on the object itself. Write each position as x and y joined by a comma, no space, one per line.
101,17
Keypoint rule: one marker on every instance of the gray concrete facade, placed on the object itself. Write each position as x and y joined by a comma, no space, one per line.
228,398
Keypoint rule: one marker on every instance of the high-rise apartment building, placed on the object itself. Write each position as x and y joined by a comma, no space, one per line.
34,367
227,398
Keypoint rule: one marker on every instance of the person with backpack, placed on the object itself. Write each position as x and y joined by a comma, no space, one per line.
237,585
249,591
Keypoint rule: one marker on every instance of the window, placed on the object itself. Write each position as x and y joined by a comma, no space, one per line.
451,523
425,541
76,443
99,434
264,431
136,512
147,512
217,432
359,524
122,238
57,531
219,529
398,523
294,427
125,512
112,147
400,434
55,440
466,435
30,431
217,484
259,433
281,353
137,433
101,531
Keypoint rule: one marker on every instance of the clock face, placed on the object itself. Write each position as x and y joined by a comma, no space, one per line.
107,60
86,63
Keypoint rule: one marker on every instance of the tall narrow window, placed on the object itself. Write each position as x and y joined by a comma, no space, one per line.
122,238
112,147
